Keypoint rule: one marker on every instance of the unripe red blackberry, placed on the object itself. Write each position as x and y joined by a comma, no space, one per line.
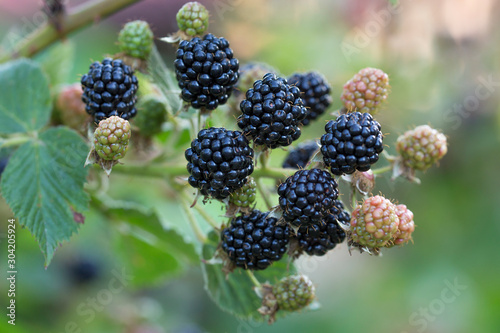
192,19
421,147
109,89
136,39
315,93
206,71
219,162
366,91
272,112
307,197
352,142
70,107
374,223
406,225
111,138
321,237
294,292
254,241
298,157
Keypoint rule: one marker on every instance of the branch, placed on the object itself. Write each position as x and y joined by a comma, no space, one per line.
76,18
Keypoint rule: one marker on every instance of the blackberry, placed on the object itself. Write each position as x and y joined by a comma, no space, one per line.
244,197
352,142
294,292
251,72
153,113
111,138
136,39
206,71
307,197
219,162
315,92
406,225
272,112
109,90
366,91
321,237
192,19
254,241
70,108
298,158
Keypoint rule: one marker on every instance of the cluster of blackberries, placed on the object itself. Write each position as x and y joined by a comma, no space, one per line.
351,142
206,71
255,241
315,93
109,89
272,112
219,162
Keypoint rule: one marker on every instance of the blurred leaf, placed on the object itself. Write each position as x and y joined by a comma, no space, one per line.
236,294
394,2
58,62
43,185
25,102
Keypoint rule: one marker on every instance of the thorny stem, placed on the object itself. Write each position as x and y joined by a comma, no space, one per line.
192,221
76,18
254,280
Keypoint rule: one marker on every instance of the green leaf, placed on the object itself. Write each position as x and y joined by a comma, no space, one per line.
394,2
43,185
25,102
58,62
236,294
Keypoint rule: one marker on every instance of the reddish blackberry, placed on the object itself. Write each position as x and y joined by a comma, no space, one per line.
206,71
307,197
323,236
272,112
255,241
298,158
366,91
219,162
315,92
109,89
352,142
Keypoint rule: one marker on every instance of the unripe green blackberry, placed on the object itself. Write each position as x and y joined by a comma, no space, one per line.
245,196
294,292
366,91
136,39
192,19
111,138
406,225
374,223
421,147
152,114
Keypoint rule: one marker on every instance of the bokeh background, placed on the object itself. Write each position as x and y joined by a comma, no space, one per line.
443,60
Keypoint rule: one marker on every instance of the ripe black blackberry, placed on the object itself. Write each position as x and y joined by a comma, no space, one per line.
323,236
315,93
352,142
307,197
298,157
255,241
206,71
109,89
272,112
219,162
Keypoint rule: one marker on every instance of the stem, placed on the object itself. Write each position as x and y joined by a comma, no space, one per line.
382,169
76,18
264,194
254,280
192,222
14,141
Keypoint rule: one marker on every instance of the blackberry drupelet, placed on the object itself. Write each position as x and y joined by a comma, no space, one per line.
315,93
109,89
272,112
352,142
206,71
298,158
307,197
323,236
255,241
219,162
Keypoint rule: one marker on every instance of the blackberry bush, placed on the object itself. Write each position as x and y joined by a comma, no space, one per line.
255,241
219,162
352,142
109,89
315,93
206,71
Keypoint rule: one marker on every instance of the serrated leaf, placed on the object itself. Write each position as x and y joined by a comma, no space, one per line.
43,185
25,102
58,62
236,294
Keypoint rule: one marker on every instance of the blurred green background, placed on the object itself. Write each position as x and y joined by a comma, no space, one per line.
440,56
